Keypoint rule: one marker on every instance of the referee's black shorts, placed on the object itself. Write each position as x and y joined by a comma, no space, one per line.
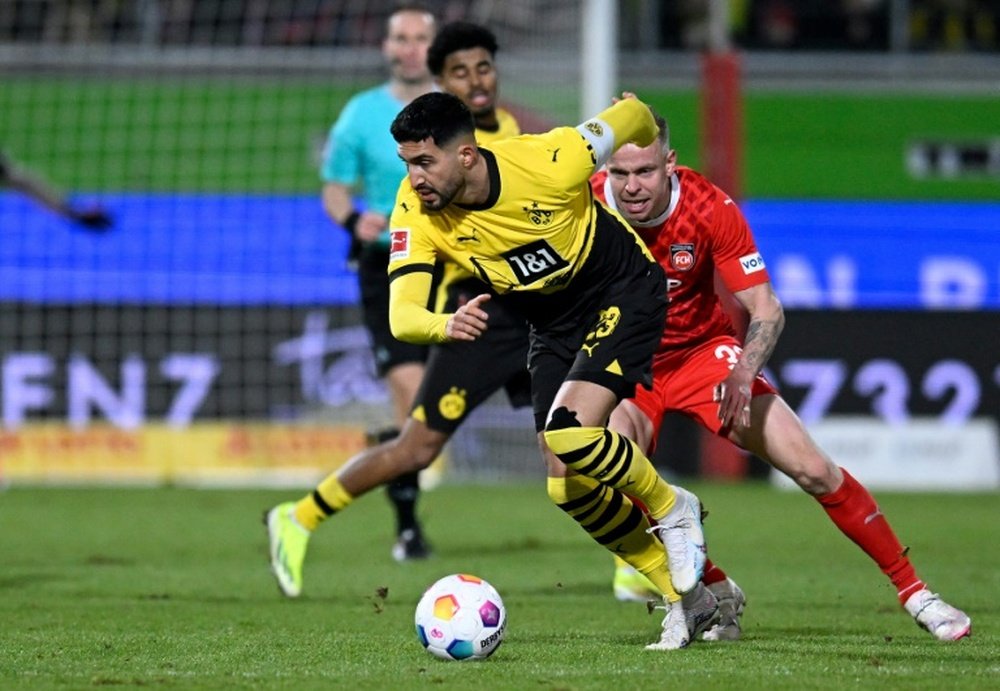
373,280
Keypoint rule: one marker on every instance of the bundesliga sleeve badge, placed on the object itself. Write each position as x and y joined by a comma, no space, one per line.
399,244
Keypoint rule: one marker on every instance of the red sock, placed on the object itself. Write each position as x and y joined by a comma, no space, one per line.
857,515
713,574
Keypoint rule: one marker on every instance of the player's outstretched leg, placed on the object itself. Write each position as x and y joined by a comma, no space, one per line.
778,436
853,509
288,542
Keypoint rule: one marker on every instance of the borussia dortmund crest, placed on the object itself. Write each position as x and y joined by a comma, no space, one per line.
595,128
452,404
539,217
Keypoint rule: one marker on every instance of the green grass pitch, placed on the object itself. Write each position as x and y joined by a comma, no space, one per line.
169,588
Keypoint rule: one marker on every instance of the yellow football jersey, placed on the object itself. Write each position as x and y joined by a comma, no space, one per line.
506,127
533,232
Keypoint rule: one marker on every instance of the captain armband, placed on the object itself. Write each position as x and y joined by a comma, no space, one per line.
601,138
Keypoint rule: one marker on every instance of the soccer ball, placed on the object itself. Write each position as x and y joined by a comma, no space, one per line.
461,617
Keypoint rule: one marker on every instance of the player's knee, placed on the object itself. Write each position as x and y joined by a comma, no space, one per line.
815,475
416,448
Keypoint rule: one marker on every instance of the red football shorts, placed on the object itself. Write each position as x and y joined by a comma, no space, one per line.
684,379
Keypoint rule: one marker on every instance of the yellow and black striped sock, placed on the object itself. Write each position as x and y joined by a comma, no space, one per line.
328,498
614,460
614,522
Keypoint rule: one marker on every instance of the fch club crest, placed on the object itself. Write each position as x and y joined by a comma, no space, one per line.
682,257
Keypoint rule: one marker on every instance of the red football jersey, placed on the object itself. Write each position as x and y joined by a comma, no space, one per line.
703,231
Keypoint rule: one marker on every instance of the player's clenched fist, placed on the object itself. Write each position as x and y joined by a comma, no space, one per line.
469,321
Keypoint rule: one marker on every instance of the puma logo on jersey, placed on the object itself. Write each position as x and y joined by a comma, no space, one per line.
752,263
468,238
728,201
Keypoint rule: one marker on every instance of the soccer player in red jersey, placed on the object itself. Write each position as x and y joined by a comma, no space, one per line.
702,369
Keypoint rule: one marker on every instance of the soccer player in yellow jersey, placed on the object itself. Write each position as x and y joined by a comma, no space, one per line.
521,216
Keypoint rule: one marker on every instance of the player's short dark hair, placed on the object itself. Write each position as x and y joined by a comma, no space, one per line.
437,116
457,36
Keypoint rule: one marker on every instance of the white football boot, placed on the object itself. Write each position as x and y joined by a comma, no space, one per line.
683,540
731,603
701,610
944,622
675,631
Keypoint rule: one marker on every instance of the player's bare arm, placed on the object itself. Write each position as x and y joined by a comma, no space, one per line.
339,207
469,322
767,319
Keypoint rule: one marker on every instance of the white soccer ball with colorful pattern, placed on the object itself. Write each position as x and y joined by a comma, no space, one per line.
461,617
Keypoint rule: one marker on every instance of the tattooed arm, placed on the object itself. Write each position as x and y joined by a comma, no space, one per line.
767,318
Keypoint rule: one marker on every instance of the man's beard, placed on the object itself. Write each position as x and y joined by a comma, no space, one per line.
444,198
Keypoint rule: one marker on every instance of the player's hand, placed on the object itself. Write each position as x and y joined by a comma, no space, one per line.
733,395
95,219
370,226
469,321
625,95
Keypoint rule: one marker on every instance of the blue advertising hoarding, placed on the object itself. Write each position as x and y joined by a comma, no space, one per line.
273,250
